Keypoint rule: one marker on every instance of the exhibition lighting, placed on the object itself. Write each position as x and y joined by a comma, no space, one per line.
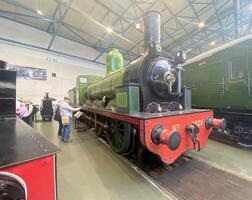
212,43
201,24
138,26
250,8
109,30
39,12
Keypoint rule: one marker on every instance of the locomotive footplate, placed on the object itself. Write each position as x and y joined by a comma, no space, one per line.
137,117
167,134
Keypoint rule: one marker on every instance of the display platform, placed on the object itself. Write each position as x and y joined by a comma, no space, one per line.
27,163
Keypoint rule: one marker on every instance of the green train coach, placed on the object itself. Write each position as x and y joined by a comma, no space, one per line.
220,79
76,94
82,82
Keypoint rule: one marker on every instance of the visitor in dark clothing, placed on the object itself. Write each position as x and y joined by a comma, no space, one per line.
57,118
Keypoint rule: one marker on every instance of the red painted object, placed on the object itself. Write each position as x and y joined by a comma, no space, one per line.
165,135
39,176
179,124
217,123
169,134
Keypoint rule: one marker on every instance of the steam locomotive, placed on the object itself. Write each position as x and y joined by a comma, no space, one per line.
144,105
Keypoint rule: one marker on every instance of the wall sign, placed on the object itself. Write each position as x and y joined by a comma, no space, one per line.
49,59
28,73
83,80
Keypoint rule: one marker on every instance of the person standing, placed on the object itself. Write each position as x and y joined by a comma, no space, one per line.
66,111
29,107
23,113
57,117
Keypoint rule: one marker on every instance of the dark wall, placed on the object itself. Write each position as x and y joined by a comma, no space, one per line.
7,93
3,64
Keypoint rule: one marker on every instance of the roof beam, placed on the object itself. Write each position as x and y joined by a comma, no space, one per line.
126,30
152,4
10,13
48,50
49,19
236,8
35,27
219,21
211,20
119,17
61,19
188,34
54,15
197,16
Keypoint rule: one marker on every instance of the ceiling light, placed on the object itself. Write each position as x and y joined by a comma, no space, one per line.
138,26
250,7
212,43
109,30
39,12
201,24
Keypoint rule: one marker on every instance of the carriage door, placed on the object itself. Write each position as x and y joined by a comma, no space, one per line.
237,86
249,74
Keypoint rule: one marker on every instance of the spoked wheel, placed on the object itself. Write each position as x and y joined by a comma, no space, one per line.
119,136
99,130
89,123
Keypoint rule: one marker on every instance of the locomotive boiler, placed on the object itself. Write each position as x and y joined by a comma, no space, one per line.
144,105
158,77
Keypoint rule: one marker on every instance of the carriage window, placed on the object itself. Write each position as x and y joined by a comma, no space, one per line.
236,69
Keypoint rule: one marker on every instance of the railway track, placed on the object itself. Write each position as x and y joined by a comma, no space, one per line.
196,180
229,140
190,179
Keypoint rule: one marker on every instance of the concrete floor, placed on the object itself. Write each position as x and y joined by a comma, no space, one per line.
88,170
234,160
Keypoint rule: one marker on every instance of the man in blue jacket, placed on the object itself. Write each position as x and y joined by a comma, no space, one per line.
67,111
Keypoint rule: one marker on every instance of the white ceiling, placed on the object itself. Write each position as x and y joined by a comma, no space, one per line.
85,21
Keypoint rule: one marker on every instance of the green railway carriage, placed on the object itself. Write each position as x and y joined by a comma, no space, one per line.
77,94
221,79
82,83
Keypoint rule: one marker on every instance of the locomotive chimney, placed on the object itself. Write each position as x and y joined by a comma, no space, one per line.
152,32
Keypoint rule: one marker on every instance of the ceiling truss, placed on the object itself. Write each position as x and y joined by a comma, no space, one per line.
224,20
